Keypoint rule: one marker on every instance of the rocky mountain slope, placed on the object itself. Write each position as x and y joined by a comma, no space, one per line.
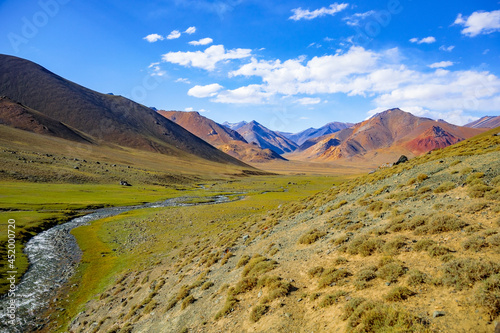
485,122
229,141
107,119
411,248
266,139
392,131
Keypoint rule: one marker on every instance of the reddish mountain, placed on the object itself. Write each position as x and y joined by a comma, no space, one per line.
485,122
222,137
107,119
388,133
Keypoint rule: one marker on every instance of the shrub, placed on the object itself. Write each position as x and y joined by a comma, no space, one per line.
245,284
393,246
478,190
207,285
243,261
421,177
258,265
257,312
340,260
228,307
364,245
332,275
416,277
311,236
391,272
477,207
445,187
444,223
488,295
464,272
378,206
277,287
424,189
475,243
436,251
473,177
331,299
188,300
399,294
315,271
423,244
183,292
367,274
351,306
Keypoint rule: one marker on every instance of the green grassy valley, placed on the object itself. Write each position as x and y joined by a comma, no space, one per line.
414,247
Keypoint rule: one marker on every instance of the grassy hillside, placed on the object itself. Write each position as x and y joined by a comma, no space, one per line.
412,248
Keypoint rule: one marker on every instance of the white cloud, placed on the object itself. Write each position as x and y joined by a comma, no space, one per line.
426,40
203,41
174,34
206,59
190,30
304,118
155,69
447,48
442,64
205,91
299,13
189,109
308,101
183,80
251,94
355,19
479,22
153,38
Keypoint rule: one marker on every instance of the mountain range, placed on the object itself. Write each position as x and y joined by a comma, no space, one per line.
222,137
47,102
37,100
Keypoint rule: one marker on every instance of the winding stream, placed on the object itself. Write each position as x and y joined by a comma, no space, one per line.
53,256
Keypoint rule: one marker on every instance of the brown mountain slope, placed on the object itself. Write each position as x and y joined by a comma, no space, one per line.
485,122
222,137
18,116
390,132
107,118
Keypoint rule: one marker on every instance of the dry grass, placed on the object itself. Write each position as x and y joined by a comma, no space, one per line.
257,312
464,272
311,236
399,294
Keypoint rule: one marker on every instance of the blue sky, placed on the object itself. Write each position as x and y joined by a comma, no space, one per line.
289,65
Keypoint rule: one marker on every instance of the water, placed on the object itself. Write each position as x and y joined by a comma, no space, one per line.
53,256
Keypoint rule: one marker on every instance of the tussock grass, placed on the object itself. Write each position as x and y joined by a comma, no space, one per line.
311,236
399,293
331,299
445,187
416,277
465,272
332,275
391,272
257,312
488,295
258,265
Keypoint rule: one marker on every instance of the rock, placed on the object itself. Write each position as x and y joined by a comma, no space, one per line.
436,314
402,159
259,294
124,183
497,327
245,237
299,300
388,284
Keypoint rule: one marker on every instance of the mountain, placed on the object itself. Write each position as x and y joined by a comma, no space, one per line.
19,116
485,122
391,132
265,138
310,133
235,126
222,137
107,119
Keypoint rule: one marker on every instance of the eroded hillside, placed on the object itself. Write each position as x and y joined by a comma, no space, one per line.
414,248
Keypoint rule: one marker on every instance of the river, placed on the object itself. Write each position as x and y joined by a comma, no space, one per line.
53,256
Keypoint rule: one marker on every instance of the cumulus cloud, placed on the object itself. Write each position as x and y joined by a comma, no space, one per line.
204,91
306,14
203,41
174,34
441,64
183,80
251,94
447,48
426,40
155,69
308,101
206,59
479,22
153,38
190,30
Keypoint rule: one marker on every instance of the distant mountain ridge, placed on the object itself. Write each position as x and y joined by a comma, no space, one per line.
229,141
107,119
234,126
310,133
265,138
485,122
